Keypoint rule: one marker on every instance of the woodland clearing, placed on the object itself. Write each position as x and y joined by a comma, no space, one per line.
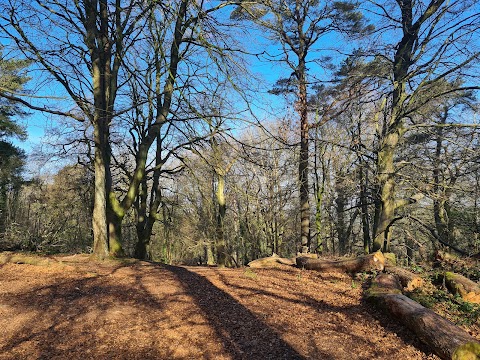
76,308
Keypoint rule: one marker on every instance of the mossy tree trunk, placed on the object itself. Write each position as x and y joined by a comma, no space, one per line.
118,208
443,337
104,78
442,185
394,128
386,187
422,75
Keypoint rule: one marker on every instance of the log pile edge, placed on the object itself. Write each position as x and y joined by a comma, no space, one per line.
443,337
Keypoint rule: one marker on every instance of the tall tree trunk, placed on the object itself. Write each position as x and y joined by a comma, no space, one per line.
340,210
221,202
99,219
386,183
104,79
322,245
394,127
363,180
303,161
441,189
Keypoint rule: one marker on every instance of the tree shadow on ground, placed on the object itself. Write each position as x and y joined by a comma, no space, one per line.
353,313
164,312
395,326
243,334
53,322
91,316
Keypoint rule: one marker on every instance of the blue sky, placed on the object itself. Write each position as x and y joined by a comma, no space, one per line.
265,105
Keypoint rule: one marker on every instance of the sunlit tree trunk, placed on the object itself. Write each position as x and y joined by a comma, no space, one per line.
386,186
117,209
303,160
393,131
104,76
220,233
100,235
340,213
442,189
394,127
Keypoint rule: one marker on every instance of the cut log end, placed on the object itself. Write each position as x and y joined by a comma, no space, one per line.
462,286
469,351
409,280
383,284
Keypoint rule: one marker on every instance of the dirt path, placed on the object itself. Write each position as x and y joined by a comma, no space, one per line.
76,309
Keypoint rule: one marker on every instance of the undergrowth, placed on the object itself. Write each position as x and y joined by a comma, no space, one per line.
451,307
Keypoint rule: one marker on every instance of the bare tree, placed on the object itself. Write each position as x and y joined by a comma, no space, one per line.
435,44
299,26
89,55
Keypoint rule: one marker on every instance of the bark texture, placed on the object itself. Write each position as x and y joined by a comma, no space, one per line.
370,262
408,280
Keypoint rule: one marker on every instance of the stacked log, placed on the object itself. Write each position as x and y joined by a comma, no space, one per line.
390,259
271,261
444,338
462,286
409,280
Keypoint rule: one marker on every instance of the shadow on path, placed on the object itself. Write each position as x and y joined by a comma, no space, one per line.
244,335
54,324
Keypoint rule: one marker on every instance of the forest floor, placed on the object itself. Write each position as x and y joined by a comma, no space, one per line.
75,308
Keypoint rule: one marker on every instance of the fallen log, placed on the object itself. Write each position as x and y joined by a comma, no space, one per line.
271,261
462,286
409,280
24,258
370,262
390,259
443,337
285,261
